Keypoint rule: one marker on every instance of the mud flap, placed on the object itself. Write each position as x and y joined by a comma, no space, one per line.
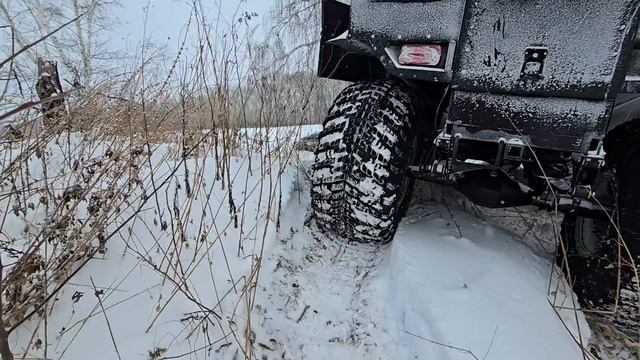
338,62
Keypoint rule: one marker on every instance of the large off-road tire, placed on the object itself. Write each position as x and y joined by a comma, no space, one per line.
359,184
603,269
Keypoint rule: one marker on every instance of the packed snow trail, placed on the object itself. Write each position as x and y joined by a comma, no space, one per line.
431,294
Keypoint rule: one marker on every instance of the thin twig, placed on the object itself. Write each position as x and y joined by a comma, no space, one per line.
491,344
468,352
113,339
29,46
302,314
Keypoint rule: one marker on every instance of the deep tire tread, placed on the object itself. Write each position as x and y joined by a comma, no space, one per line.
358,177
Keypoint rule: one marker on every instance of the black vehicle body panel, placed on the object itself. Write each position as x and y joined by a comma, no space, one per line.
540,74
588,41
562,124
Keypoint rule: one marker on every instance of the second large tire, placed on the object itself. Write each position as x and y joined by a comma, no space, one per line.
359,183
603,266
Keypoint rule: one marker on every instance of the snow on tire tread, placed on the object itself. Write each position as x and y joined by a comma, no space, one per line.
364,148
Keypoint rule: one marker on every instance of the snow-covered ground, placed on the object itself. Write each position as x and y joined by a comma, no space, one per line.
271,286
431,294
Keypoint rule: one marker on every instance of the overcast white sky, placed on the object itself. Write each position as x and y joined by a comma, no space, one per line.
167,18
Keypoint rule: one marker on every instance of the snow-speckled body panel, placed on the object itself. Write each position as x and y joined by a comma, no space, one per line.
521,53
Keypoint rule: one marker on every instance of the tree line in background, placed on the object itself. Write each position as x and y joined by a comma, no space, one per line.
273,80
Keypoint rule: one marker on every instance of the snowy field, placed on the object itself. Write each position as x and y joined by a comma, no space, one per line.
210,271
432,294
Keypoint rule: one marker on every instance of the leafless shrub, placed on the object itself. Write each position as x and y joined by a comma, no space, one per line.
153,147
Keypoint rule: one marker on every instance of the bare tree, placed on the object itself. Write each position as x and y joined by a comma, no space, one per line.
80,48
297,23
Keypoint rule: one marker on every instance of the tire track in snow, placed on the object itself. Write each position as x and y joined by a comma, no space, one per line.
317,301
322,299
